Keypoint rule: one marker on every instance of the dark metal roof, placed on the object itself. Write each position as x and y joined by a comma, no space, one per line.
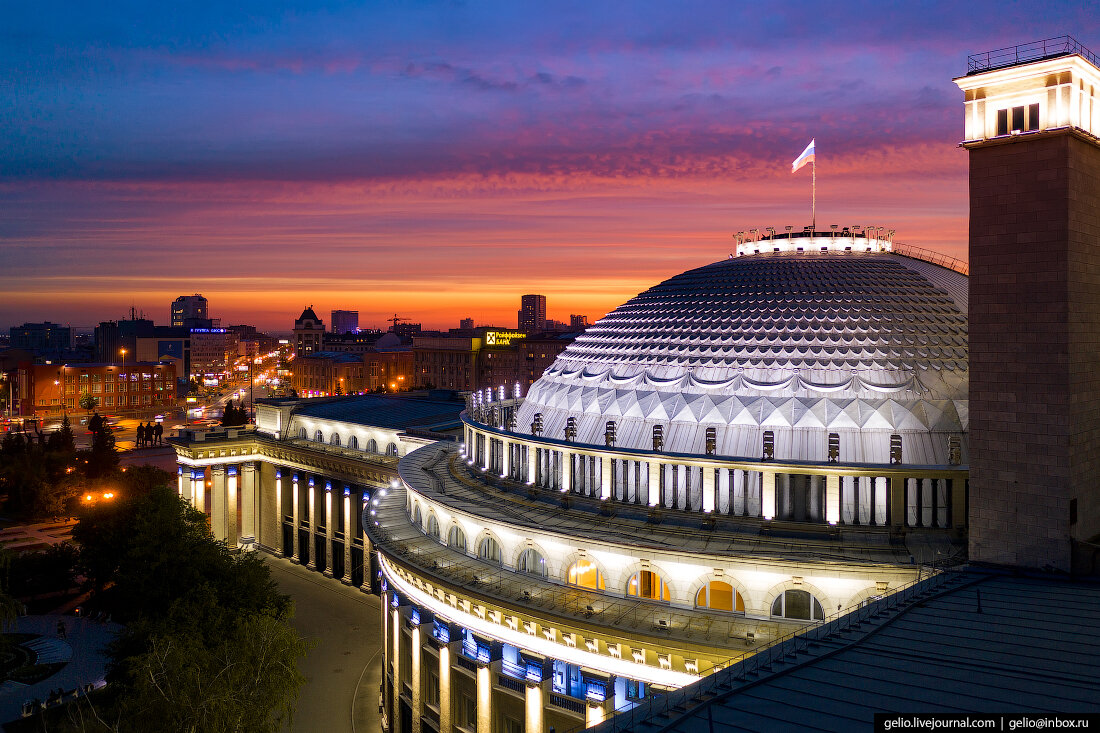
970,642
385,411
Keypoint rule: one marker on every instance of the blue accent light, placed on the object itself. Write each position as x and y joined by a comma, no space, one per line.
414,617
596,691
232,471
278,473
328,486
347,491
442,632
295,478
534,672
179,470
311,482
395,601
385,585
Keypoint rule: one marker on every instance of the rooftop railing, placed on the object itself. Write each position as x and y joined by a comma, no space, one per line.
936,258
1027,52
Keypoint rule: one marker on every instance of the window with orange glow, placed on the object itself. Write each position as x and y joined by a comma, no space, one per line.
585,574
719,596
647,584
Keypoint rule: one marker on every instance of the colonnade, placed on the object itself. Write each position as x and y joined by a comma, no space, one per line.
825,493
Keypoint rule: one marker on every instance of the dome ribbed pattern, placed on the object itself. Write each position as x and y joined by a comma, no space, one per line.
819,312
799,344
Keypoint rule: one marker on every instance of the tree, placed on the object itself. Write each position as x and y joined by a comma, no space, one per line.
234,416
62,440
207,643
102,458
87,401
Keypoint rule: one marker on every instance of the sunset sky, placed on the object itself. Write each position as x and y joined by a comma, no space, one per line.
438,160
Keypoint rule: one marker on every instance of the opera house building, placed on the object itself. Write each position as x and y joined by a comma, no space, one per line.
747,451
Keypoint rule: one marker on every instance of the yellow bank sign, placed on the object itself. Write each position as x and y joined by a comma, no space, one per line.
502,338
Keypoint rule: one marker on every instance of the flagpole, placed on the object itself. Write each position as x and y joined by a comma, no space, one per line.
813,199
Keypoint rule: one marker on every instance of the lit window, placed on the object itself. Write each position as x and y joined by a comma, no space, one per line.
585,574
647,584
1018,119
797,604
720,596
456,538
416,516
433,526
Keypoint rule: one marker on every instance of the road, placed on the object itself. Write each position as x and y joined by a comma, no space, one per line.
344,670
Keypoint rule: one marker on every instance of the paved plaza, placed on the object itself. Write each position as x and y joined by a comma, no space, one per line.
344,669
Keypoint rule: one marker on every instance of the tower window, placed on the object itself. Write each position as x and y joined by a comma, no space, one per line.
1023,119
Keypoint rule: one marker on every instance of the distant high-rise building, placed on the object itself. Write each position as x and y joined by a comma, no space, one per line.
576,321
532,313
41,338
309,331
189,308
466,323
345,321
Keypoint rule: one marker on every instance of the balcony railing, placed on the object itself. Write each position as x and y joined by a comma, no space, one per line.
1026,52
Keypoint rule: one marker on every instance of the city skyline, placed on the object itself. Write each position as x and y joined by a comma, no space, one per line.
389,160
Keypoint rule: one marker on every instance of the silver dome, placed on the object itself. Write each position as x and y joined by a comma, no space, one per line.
864,344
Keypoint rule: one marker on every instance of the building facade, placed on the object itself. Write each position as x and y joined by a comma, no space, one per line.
41,338
189,308
212,352
344,321
144,388
309,332
532,313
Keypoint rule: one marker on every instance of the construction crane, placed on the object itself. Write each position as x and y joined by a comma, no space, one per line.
394,321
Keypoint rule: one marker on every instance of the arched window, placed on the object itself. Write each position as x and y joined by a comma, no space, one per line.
391,449
302,433
720,596
456,538
318,437
353,443
797,604
647,584
335,439
416,516
489,550
586,574
530,561
372,446
433,526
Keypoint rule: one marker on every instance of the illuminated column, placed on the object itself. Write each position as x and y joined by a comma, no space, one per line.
654,483
832,499
179,480
533,699
507,469
566,471
709,491
248,505
232,481
605,477
328,529
897,501
395,629
531,463
217,501
311,497
486,452
593,714
417,712
767,494
445,687
279,509
198,490
365,585
349,535
297,557
484,700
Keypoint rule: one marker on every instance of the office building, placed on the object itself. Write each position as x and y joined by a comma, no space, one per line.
345,321
532,313
189,308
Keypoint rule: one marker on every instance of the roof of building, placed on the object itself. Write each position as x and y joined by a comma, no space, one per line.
964,642
384,411
344,357
843,341
307,314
